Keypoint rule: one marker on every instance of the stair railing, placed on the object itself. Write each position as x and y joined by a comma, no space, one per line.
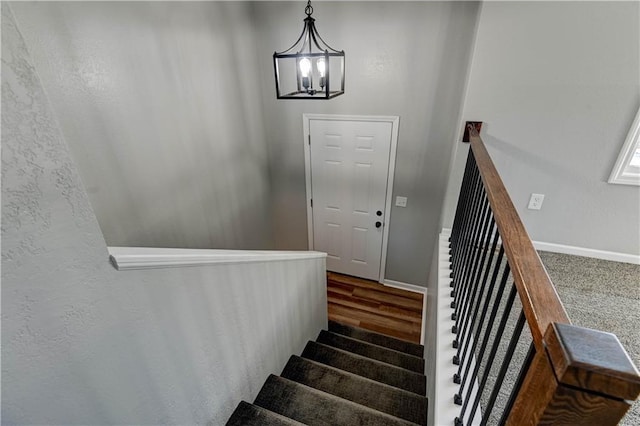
569,375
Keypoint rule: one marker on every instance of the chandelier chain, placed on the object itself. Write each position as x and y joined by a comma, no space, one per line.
309,9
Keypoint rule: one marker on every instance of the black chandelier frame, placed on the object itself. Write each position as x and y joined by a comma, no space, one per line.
312,47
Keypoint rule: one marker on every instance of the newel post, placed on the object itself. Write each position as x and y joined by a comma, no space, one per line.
583,377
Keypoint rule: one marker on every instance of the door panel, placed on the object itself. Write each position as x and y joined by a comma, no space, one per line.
349,168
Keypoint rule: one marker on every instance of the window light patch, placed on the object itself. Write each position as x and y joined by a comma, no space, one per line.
627,168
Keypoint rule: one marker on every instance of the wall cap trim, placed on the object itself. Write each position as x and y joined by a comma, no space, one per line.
132,258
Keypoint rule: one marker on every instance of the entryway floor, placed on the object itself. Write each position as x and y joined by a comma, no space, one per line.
373,306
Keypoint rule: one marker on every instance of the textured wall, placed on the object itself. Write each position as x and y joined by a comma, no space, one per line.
85,344
159,103
402,58
558,95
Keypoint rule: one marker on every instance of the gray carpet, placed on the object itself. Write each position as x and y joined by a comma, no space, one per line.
366,367
369,350
387,399
341,380
313,407
602,295
377,339
251,415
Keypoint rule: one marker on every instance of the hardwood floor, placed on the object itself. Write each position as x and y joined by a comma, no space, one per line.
373,306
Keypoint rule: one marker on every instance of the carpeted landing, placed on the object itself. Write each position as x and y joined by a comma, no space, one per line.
602,295
348,376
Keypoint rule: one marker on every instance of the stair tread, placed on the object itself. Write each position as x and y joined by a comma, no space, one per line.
379,396
247,414
369,350
377,339
366,367
317,408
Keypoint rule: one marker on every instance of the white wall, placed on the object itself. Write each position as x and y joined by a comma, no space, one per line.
157,101
85,344
402,58
558,85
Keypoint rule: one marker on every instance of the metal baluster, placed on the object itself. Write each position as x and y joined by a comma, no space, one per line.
503,369
463,202
486,337
468,229
464,268
474,300
462,199
494,244
516,387
469,283
459,267
471,179
496,341
465,338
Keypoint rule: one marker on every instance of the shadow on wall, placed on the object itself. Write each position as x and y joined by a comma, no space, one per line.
157,102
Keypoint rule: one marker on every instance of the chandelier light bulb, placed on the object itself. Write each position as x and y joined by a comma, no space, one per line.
305,66
321,66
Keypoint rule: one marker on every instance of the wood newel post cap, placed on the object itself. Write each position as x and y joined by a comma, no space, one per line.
591,360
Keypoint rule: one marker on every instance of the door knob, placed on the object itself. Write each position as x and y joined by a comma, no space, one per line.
379,213
378,224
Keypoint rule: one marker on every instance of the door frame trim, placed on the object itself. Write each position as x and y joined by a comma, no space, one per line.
395,122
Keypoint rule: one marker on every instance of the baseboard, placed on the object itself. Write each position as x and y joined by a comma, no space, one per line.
405,286
587,252
415,289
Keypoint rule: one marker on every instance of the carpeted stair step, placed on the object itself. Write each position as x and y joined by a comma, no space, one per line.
377,339
317,408
369,350
388,399
366,367
247,414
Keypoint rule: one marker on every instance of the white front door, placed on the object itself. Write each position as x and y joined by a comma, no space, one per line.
349,175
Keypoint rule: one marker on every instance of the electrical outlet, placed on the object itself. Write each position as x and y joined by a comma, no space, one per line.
535,202
401,201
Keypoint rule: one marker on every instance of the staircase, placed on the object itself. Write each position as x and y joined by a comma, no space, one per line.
348,376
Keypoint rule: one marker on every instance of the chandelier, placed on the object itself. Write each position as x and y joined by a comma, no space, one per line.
310,69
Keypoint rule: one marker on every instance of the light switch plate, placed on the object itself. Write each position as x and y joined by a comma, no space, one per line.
401,201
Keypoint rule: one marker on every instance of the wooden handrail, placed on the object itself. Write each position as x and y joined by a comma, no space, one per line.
540,301
575,375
